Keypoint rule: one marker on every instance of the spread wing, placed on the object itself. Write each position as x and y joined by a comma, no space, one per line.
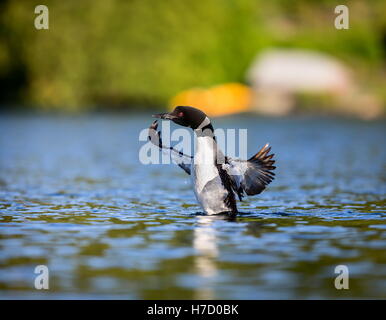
182,160
253,175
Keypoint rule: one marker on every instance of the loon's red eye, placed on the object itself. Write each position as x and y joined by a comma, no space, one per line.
180,114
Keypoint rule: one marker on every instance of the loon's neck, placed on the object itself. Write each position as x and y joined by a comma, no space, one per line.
205,129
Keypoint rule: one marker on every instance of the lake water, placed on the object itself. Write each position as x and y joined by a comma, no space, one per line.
74,197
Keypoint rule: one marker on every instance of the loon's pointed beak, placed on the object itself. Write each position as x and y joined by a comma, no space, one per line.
165,116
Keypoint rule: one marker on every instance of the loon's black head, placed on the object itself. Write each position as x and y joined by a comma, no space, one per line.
187,117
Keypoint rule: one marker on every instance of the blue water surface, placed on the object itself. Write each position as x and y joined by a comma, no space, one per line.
75,197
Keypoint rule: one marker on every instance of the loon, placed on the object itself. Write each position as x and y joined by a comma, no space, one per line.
217,179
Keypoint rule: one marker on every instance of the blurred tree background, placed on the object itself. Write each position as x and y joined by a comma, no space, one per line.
139,53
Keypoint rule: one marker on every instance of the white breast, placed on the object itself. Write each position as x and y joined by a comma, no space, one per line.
204,162
208,188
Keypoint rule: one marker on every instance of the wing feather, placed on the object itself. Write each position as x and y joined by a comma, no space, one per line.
253,175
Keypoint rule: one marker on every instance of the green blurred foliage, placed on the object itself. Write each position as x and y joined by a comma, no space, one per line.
141,52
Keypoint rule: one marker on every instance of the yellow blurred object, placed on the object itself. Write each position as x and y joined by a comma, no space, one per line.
220,100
